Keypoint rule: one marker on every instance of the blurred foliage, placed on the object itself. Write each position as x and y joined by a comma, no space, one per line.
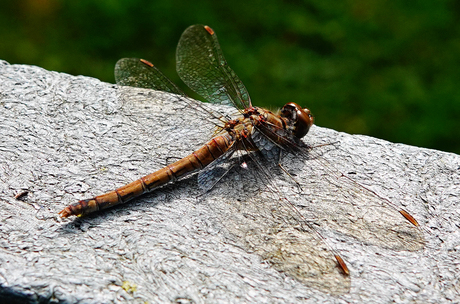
389,69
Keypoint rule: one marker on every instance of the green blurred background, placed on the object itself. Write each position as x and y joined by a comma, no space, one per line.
389,69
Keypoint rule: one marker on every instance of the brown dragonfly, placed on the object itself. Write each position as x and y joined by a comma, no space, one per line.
263,135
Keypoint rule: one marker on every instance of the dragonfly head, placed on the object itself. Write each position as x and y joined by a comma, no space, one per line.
300,119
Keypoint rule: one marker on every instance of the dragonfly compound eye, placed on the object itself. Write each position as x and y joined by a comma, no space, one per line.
301,118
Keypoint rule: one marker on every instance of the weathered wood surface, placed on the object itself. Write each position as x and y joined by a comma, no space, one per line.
65,138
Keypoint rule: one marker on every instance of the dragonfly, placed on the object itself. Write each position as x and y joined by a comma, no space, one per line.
263,135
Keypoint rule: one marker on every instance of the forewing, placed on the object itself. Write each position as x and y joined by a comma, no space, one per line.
351,208
202,66
140,73
287,227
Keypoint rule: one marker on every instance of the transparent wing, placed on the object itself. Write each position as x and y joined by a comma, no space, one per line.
140,73
215,171
202,66
267,148
264,221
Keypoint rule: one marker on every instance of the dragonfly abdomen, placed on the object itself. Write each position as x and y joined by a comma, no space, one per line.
195,161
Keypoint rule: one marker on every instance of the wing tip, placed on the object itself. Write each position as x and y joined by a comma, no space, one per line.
409,217
342,264
146,62
209,30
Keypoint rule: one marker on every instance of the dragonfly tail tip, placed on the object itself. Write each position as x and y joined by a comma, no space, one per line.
66,212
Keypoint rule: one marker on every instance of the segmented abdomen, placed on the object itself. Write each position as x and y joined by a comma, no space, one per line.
195,161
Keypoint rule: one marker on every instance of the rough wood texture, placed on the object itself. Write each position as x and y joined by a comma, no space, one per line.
65,138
